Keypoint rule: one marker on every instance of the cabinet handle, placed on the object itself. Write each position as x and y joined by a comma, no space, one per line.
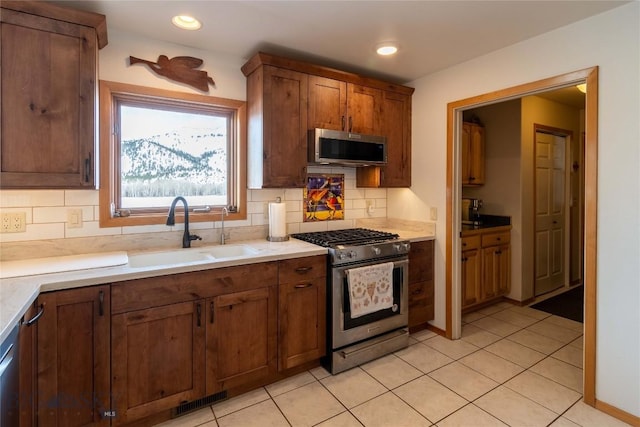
471,178
498,252
350,124
303,285
35,318
342,120
87,168
302,270
464,244
211,310
101,303
198,314
498,239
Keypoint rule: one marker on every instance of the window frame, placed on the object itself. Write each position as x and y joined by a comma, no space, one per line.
109,159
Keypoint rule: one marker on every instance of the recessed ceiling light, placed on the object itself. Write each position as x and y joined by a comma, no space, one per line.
186,22
386,49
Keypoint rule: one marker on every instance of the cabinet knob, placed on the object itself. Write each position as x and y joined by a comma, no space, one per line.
303,285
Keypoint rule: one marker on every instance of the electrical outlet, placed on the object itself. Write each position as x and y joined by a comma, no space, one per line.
433,213
370,206
14,222
74,218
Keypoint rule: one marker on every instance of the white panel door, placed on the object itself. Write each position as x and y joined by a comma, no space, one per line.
550,212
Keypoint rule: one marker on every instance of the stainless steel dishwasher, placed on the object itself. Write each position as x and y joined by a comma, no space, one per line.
9,380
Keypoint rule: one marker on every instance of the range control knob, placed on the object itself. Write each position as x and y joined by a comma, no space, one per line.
375,250
406,246
352,254
341,255
396,247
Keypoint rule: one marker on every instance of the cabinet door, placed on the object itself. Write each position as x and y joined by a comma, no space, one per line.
302,321
158,359
28,366
476,156
396,126
48,103
421,289
363,109
74,358
470,279
504,279
496,271
284,150
327,103
472,154
241,338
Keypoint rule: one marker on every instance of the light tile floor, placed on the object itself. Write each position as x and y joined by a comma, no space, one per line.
513,366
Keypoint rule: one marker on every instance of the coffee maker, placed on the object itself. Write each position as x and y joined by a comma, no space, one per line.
471,211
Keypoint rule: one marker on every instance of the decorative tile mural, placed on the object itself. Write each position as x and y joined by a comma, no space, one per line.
323,197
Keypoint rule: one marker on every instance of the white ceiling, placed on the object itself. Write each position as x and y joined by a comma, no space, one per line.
432,35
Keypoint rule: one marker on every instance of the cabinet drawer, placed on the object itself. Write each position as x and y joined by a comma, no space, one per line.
296,269
421,308
470,242
174,288
494,239
420,290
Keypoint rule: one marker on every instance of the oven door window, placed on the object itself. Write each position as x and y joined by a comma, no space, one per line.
350,323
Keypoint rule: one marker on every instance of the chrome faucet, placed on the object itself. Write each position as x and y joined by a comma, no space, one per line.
171,220
224,212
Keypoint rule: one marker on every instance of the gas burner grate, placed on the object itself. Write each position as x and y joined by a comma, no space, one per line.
349,236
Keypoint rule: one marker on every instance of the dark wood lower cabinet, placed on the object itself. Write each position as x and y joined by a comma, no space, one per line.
421,286
184,337
241,338
121,354
74,356
158,359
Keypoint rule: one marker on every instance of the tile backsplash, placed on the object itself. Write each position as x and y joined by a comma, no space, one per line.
48,232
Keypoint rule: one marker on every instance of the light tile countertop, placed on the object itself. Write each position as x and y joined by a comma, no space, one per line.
18,293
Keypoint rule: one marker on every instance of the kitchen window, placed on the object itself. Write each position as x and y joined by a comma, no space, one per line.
156,145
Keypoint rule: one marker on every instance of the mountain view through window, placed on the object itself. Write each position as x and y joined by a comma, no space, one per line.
165,154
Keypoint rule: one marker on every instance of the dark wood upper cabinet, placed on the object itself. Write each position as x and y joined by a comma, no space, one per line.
48,107
286,98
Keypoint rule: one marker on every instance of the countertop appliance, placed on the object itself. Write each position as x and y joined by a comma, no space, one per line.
9,379
471,211
332,147
353,340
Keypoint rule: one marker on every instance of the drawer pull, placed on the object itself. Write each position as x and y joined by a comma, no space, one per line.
211,310
35,318
199,314
302,270
303,285
101,304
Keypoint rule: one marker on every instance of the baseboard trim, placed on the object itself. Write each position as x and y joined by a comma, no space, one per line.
618,413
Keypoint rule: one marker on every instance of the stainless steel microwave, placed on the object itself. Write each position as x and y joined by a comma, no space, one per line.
332,147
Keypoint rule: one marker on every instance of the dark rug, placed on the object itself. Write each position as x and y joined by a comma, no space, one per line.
568,304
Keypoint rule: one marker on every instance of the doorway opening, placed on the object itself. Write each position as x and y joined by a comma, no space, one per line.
453,226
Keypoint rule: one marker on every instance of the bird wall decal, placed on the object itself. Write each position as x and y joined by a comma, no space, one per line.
182,69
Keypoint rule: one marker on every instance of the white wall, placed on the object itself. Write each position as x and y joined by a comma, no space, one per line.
610,41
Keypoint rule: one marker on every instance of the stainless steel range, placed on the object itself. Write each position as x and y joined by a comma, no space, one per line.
367,291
